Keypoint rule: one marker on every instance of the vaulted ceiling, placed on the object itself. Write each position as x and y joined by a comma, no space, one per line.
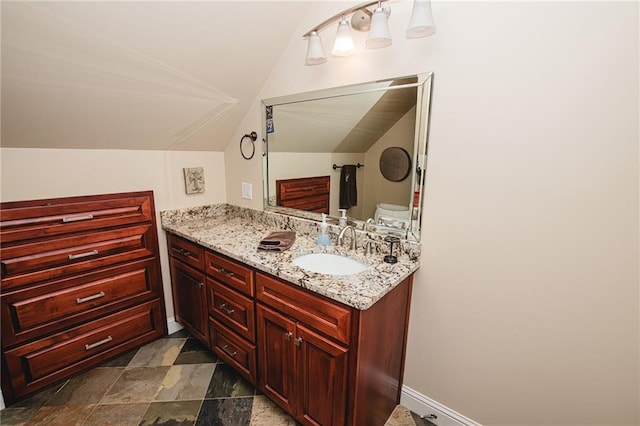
136,75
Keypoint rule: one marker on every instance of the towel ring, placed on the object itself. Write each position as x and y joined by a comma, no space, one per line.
252,136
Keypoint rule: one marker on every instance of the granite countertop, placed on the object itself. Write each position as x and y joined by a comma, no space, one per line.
235,232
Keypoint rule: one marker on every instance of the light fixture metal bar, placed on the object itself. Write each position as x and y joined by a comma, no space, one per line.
337,16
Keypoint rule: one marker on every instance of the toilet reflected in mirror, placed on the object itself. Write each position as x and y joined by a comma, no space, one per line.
392,215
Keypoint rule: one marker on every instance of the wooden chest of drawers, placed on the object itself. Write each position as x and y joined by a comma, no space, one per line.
310,194
80,284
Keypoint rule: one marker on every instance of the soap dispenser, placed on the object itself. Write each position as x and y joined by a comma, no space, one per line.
323,237
343,218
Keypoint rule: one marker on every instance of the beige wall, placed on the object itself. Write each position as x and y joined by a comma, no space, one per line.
525,310
377,188
47,173
287,165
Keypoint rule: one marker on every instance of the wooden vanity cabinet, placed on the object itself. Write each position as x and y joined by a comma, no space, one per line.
232,323
328,363
80,284
301,369
323,362
188,285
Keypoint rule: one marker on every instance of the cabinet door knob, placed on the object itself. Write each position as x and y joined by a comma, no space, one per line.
287,336
297,341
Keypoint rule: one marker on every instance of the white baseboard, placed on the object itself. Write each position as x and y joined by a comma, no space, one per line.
433,411
173,325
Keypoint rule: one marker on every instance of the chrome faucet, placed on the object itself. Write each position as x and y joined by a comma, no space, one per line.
353,236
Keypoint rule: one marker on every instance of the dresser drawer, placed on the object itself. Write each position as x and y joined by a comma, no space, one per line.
289,189
318,204
29,263
38,364
328,317
234,350
51,306
230,272
186,251
26,220
232,309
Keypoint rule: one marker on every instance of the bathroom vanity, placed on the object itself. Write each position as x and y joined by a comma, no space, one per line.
328,349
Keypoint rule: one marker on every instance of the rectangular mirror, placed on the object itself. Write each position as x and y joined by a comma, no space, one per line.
361,147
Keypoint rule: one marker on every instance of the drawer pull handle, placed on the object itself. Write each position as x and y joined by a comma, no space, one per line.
96,344
226,273
287,336
80,300
297,341
226,309
80,255
183,252
68,219
228,351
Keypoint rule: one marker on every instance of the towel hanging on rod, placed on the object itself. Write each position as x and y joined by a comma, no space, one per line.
335,166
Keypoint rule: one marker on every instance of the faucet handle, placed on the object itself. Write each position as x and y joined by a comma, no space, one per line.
368,247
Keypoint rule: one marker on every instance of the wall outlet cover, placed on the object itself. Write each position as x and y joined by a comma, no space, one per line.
247,191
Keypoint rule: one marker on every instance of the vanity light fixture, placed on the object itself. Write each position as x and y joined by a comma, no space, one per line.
343,45
315,52
363,19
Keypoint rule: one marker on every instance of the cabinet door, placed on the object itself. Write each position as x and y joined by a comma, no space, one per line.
189,299
321,374
276,355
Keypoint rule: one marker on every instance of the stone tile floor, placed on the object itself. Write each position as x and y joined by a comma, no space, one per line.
172,381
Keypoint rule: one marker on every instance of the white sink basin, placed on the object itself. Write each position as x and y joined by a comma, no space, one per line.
330,264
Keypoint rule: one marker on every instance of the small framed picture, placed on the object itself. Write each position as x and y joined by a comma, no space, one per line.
193,180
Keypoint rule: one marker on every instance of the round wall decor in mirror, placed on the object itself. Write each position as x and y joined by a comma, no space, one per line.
395,164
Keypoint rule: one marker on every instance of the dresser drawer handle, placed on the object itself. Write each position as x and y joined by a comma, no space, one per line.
80,255
80,300
226,349
96,344
226,273
225,308
68,219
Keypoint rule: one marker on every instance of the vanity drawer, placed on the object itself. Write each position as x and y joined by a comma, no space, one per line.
186,251
230,272
234,350
29,263
324,315
51,306
46,218
43,362
232,309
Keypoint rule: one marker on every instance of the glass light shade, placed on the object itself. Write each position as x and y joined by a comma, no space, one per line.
421,22
343,45
315,52
379,35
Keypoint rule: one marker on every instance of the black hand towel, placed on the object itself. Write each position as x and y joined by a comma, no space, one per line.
348,190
